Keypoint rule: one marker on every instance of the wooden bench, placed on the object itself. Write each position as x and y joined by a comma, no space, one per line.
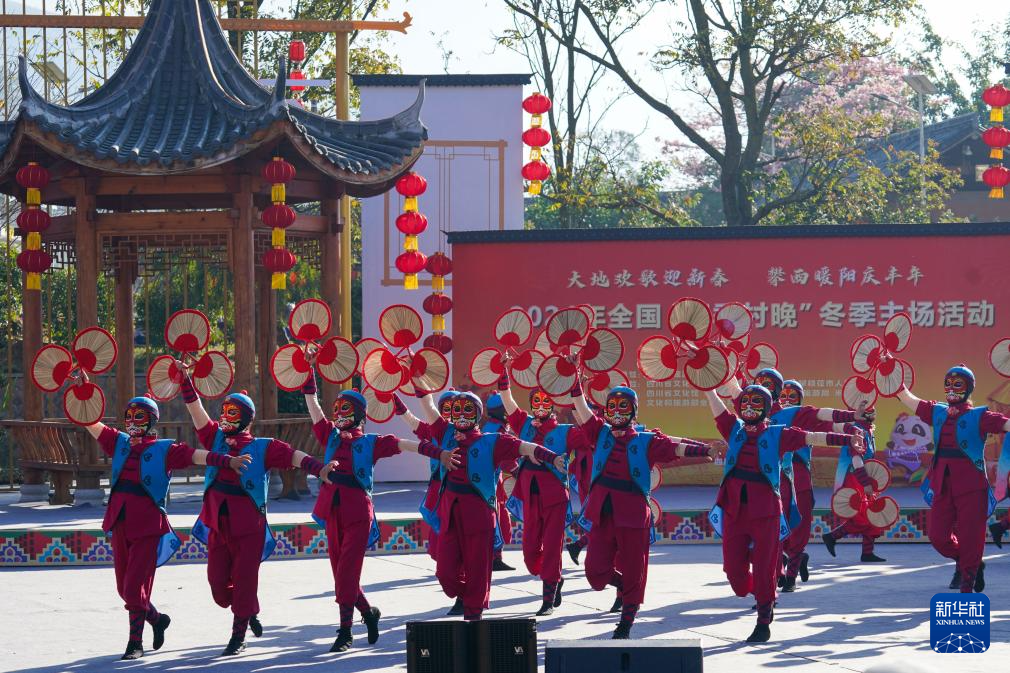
59,448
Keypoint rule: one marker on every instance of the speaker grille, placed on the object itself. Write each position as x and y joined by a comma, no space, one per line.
436,647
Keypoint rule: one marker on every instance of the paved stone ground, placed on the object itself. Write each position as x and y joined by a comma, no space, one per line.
847,618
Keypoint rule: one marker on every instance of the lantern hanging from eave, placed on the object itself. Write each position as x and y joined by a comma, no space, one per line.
997,97
411,224
996,177
278,216
536,137
32,221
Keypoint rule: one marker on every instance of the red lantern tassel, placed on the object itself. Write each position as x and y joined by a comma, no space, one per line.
278,281
33,281
996,193
410,281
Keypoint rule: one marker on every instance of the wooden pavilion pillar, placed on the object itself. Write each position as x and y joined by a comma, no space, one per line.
329,258
34,488
342,89
266,343
126,273
243,275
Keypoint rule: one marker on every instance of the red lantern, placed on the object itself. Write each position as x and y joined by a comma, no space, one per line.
537,136
279,216
440,342
996,177
297,75
34,261
33,220
296,51
278,261
411,185
409,264
536,171
278,171
437,304
411,223
996,137
537,104
33,176
439,264
996,96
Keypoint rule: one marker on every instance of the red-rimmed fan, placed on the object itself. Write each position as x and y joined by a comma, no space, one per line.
543,343
379,406
365,346
875,358
289,367
655,478
760,356
51,367
400,326
866,352
879,473
728,392
883,512
508,484
567,328
309,320
603,350
188,332
999,357
384,371
84,403
93,351
897,332
892,375
733,321
513,328
600,384
557,375
525,366
690,319
337,360
847,502
656,510
857,390
590,312
429,370
708,368
486,367
657,358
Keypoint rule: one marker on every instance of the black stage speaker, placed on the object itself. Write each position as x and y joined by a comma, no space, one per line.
438,647
505,645
623,656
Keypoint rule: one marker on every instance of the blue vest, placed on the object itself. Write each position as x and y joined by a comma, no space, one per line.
557,441
969,440
255,481
845,456
638,466
786,417
1003,468
430,516
771,467
492,426
481,472
154,478
362,467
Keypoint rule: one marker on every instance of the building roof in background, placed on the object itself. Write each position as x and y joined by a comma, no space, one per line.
517,79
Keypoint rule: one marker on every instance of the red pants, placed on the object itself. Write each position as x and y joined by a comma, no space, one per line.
430,498
625,550
751,543
957,527
796,543
459,549
233,569
346,544
432,544
135,562
850,527
543,538
504,522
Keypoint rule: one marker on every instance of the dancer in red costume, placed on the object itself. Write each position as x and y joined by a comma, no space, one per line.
495,421
748,511
957,488
467,503
541,495
616,510
233,522
344,507
142,538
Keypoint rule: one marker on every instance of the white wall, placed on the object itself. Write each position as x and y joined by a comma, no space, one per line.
472,163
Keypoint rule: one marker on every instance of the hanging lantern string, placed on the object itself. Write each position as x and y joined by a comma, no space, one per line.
536,137
996,137
32,221
278,216
411,223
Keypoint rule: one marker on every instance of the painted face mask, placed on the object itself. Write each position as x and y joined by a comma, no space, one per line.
345,415
465,414
956,388
753,404
541,405
139,421
445,410
792,395
620,411
231,421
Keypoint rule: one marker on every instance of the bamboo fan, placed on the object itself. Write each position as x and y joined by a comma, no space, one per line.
486,367
513,328
525,367
603,350
163,378
883,512
51,367
733,321
543,343
309,320
384,371
567,328
690,319
657,358
289,367
601,383
708,369
655,510
429,370
337,360
94,350
857,390
556,375
891,375
212,374
364,347
379,407
761,356
879,473
187,331
897,332
846,502
655,478
999,357
866,352
400,326
590,313
84,403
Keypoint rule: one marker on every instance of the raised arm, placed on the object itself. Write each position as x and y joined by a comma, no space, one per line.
193,404
733,386
311,402
505,392
429,410
908,399
95,429
401,410
581,409
715,403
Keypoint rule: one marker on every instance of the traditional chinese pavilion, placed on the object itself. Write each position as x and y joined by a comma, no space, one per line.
167,156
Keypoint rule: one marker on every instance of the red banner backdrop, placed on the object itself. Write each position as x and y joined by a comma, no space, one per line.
812,291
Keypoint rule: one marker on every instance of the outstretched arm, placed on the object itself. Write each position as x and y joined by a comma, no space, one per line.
449,459
715,403
908,399
236,463
428,407
309,390
193,404
539,454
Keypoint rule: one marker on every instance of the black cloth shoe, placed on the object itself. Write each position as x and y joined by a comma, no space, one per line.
255,626
574,550
997,533
235,646
618,604
804,567
829,542
500,565
371,620
546,608
955,581
134,650
789,585
159,629
557,594
871,558
980,578
761,634
457,608
343,641
623,631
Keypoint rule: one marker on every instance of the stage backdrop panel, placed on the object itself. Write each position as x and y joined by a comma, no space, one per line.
812,291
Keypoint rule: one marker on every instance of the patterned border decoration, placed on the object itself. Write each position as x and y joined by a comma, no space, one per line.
21,548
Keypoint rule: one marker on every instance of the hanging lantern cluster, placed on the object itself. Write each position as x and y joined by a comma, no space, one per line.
411,223
536,170
32,221
278,260
438,304
296,54
996,137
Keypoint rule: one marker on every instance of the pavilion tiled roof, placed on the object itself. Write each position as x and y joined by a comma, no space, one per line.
182,100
